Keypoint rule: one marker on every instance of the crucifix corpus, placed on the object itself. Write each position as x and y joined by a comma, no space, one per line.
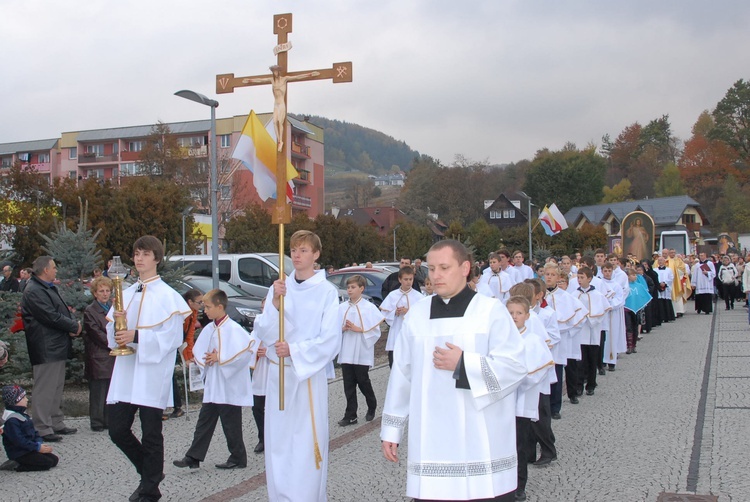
278,78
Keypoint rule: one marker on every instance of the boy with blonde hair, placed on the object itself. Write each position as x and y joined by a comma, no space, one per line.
312,340
396,305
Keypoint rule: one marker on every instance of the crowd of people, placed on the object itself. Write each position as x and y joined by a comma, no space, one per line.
483,350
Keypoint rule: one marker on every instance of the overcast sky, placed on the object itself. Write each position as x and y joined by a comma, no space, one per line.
492,80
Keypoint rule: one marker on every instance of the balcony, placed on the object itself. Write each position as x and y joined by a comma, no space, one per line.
89,158
301,201
299,150
303,178
42,167
127,156
192,152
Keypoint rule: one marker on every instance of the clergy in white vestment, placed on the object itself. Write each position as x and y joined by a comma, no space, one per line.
538,362
296,440
396,305
360,328
456,368
666,281
616,340
224,352
494,282
703,274
590,329
142,382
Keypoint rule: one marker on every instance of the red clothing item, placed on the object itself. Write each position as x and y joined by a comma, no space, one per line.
188,334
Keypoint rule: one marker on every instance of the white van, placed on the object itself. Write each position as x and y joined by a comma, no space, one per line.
251,272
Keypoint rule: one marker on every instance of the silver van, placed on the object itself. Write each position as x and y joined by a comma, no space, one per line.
251,272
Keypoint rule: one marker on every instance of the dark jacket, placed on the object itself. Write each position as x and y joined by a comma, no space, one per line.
48,323
9,285
99,364
19,435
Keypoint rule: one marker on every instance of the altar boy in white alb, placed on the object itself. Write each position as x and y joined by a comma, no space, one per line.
456,368
224,352
142,382
296,441
360,326
396,305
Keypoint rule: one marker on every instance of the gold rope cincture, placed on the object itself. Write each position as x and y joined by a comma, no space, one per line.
316,447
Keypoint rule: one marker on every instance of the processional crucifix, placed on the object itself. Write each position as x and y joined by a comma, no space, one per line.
279,77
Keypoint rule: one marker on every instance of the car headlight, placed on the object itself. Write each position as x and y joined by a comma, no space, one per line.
247,312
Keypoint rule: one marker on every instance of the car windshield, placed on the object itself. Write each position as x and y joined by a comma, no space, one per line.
274,258
206,284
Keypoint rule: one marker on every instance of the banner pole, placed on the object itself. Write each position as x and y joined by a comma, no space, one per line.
281,314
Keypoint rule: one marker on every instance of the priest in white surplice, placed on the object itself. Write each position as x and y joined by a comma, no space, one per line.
456,367
296,440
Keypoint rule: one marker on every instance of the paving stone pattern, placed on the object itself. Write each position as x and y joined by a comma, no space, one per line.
629,442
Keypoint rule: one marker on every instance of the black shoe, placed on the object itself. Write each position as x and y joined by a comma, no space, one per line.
602,371
136,495
259,448
52,438
177,413
574,400
556,416
66,431
187,462
579,393
590,392
542,461
9,465
370,415
230,465
97,428
611,367
520,496
347,421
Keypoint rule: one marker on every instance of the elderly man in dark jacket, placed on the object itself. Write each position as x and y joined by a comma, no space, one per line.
49,325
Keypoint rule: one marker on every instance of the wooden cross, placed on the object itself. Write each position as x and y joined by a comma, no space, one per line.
278,78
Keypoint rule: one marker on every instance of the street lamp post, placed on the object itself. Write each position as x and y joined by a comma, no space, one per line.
528,214
200,98
394,242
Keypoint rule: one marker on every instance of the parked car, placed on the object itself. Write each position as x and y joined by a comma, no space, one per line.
242,307
374,278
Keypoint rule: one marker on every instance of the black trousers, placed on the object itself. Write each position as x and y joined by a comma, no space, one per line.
703,303
259,414
602,339
176,394
357,375
728,293
555,390
572,382
390,359
35,461
542,430
146,455
524,450
231,423
591,356
98,390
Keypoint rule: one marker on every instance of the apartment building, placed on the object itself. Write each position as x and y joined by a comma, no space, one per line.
114,154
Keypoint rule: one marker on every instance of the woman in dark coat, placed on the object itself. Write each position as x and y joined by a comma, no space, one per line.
99,364
652,279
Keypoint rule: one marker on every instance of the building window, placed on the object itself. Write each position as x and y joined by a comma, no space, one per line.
73,153
190,142
73,175
509,213
226,140
97,150
224,165
495,215
115,148
130,169
226,192
44,158
135,146
688,218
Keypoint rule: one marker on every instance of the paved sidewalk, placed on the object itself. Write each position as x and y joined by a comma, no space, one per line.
657,424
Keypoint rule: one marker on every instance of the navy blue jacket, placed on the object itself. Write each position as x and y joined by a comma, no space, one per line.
19,435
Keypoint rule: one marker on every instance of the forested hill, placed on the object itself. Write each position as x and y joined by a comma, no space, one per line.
360,148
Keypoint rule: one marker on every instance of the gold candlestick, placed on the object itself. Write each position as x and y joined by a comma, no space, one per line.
116,272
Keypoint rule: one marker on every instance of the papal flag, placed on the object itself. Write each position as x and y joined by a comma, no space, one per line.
256,149
552,220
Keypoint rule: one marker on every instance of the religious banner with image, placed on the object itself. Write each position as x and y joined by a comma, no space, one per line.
637,230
